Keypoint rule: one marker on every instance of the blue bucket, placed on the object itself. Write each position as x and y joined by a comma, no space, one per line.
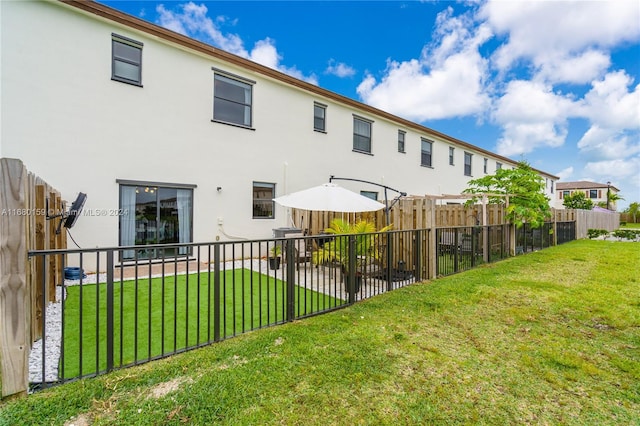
73,273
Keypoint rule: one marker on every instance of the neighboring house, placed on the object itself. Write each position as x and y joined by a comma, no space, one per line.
596,192
176,141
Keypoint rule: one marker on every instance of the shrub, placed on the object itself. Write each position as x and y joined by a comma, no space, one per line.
595,233
627,234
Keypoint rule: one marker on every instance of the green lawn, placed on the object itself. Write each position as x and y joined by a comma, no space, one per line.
155,317
547,338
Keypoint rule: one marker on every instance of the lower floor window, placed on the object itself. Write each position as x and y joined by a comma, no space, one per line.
155,214
263,204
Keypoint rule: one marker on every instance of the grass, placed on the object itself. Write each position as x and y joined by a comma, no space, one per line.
630,225
552,337
155,317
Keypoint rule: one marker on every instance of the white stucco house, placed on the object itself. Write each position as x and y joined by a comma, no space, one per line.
176,141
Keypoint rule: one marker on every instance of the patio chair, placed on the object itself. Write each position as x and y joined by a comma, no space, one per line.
303,249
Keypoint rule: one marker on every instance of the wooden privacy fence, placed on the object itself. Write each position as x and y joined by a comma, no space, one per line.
409,213
25,201
424,213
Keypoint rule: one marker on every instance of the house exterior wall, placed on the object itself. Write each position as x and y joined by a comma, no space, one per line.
600,195
69,122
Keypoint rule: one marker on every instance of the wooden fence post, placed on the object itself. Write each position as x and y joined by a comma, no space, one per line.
14,300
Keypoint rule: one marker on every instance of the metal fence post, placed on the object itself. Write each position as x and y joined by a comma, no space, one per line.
351,272
292,259
389,260
216,293
110,329
418,252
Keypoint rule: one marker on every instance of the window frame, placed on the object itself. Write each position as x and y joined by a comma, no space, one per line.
323,107
402,138
451,155
256,201
486,166
593,194
367,138
221,75
152,187
498,166
468,166
116,40
424,153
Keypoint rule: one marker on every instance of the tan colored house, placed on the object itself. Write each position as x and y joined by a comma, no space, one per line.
596,192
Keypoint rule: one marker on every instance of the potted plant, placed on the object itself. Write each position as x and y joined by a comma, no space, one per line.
274,258
337,249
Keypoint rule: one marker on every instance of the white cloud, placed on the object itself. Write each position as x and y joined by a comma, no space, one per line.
545,32
610,104
622,171
339,69
193,21
447,81
607,144
614,113
565,174
578,69
265,53
531,116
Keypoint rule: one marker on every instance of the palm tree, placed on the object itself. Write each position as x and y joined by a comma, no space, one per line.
633,210
612,197
366,247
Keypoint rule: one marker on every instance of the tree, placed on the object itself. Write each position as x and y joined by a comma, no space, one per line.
577,200
612,197
633,210
521,189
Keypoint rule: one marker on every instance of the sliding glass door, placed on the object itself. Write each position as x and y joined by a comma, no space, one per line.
154,214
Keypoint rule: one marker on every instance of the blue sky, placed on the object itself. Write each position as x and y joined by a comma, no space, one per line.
555,83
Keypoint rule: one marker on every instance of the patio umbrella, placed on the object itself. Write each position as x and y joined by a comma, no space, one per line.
329,197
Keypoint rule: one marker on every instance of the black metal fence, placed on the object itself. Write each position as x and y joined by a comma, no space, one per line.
530,239
462,248
196,294
146,309
565,232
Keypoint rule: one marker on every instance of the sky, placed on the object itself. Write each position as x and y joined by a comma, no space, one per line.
553,83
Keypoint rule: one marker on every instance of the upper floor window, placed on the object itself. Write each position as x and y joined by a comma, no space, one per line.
426,152
361,135
126,60
486,165
451,151
498,166
552,187
467,163
319,117
232,99
401,137
263,204
593,193
565,193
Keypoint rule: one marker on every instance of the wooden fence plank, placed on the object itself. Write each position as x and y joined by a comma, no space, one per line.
14,300
40,244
